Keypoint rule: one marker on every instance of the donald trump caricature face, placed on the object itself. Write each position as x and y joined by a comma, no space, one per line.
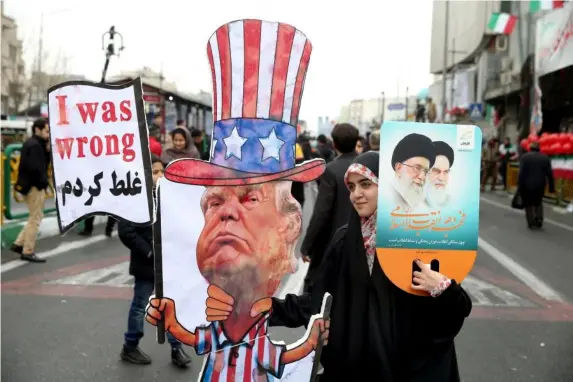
247,244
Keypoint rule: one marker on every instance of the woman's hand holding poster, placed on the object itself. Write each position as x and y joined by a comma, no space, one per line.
100,152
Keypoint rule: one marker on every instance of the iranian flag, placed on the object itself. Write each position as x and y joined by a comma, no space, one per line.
502,23
543,5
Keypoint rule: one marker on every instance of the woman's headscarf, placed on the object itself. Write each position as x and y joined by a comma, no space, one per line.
189,151
367,166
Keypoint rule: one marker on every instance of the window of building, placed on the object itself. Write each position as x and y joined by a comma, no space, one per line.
13,53
506,6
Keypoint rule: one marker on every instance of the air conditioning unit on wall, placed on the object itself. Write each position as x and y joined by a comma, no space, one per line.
501,43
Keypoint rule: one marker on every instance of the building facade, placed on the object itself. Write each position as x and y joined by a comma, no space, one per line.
499,67
367,114
12,66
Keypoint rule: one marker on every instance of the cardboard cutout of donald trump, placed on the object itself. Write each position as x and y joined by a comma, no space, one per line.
245,247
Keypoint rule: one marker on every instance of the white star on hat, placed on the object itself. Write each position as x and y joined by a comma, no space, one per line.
234,144
213,147
271,145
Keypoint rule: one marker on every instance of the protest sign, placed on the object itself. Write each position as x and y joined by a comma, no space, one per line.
428,200
100,152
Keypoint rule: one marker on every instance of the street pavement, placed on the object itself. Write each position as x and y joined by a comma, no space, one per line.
64,320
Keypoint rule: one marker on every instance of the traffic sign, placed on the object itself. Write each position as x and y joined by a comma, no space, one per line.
396,106
476,111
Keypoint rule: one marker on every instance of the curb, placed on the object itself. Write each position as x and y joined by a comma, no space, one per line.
48,228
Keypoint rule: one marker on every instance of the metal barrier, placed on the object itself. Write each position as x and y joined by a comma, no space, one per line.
563,187
10,163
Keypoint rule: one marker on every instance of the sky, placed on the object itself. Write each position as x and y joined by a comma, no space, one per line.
360,47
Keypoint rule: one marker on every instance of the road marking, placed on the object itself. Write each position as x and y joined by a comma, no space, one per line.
525,276
60,249
545,220
481,293
115,276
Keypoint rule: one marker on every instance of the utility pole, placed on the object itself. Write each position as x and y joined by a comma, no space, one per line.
452,89
444,72
453,51
40,54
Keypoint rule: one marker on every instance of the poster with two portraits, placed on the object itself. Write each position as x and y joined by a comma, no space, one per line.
428,199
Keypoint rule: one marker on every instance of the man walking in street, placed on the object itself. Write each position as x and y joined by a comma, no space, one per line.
332,207
535,174
507,153
32,183
490,162
432,111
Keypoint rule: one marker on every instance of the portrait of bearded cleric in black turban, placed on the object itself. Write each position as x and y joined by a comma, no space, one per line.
437,185
412,159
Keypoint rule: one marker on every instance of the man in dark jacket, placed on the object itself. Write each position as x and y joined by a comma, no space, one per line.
32,183
323,149
139,240
535,174
332,208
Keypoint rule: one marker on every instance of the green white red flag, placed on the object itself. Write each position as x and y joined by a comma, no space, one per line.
501,23
544,5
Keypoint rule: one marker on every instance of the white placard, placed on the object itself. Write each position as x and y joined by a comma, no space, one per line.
553,40
100,152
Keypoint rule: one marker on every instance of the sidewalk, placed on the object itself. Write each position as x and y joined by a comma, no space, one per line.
48,228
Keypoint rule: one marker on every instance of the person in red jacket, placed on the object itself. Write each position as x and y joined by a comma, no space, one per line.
155,146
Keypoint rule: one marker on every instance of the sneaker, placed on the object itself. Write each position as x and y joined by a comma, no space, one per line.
179,357
17,248
134,355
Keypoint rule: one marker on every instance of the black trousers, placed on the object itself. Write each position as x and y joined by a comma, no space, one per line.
534,215
89,224
503,173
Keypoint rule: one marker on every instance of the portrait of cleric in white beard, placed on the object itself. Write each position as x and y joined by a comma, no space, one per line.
412,159
437,194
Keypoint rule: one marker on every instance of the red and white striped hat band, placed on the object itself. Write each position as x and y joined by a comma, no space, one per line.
258,69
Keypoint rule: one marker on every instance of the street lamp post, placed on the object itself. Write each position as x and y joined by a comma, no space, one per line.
110,50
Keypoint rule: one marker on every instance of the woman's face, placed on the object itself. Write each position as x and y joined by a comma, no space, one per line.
363,194
179,141
359,147
156,171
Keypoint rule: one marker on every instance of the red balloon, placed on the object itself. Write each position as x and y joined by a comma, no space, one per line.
567,148
533,137
556,148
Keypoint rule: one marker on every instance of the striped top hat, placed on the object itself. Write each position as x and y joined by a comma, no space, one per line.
258,70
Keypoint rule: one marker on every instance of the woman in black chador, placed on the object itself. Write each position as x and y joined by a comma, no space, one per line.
378,332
